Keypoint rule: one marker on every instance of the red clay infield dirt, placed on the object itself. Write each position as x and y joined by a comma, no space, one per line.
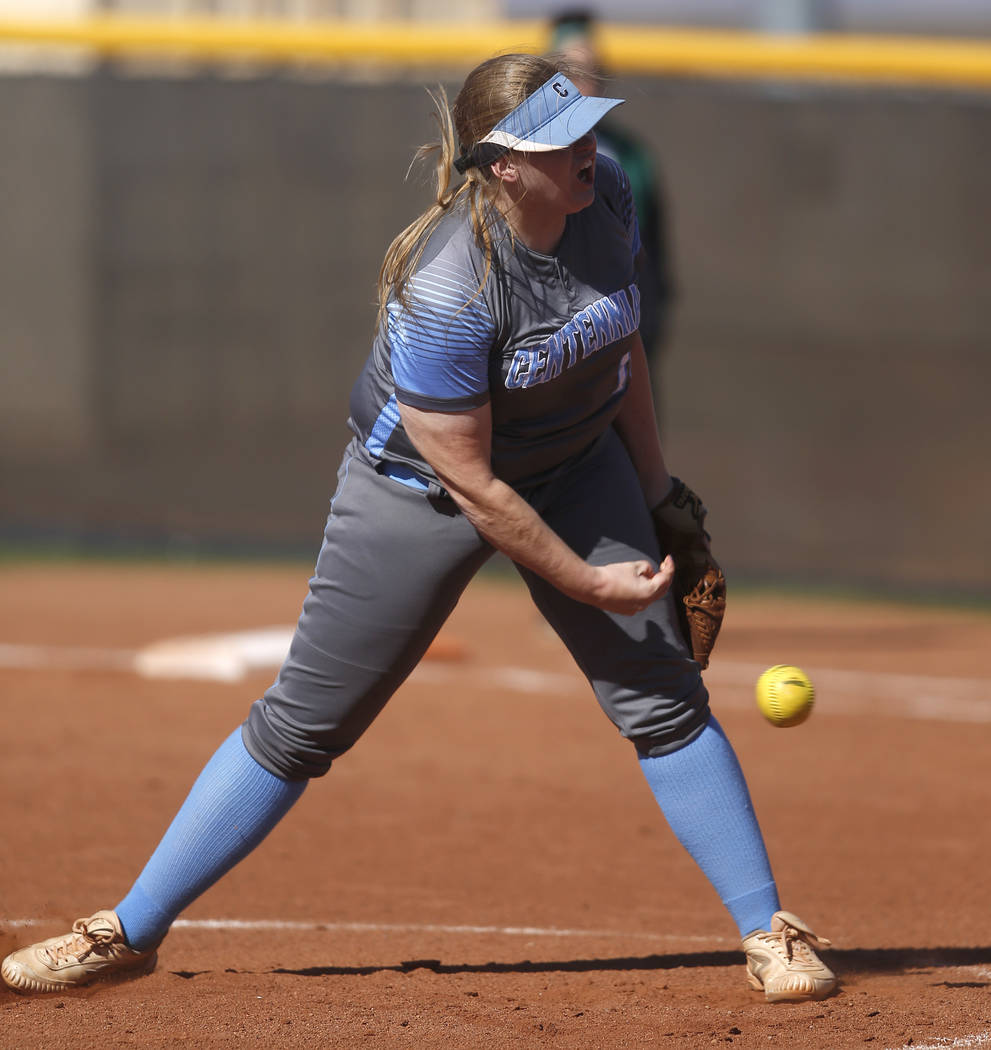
487,869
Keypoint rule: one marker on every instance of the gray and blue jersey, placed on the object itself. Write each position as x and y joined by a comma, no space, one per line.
544,339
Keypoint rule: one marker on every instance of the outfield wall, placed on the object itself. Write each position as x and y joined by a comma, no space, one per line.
187,270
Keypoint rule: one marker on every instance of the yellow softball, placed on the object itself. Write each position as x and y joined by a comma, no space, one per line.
785,695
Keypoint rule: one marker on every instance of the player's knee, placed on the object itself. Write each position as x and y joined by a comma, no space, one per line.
675,726
292,751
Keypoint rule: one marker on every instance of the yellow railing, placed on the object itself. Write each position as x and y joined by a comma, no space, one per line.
626,49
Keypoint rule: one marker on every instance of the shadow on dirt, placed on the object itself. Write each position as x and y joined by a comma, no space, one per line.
856,960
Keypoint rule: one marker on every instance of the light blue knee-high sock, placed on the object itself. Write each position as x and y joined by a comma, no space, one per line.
703,794
232,806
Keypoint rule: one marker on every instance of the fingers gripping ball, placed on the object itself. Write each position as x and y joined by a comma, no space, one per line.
785,695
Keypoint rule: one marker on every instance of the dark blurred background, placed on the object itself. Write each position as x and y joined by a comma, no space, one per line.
188,256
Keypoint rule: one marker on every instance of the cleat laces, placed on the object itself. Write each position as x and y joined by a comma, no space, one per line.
794,943
81,943
797,940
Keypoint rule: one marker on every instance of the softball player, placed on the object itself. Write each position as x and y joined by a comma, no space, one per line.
504,406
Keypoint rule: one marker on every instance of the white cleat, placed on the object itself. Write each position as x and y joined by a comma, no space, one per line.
782,964
95,950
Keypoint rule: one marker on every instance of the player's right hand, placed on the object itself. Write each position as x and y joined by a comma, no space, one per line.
628,587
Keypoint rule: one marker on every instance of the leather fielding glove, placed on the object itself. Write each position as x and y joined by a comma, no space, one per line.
699,586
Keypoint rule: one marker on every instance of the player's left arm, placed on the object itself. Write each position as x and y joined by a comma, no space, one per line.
636,425
679,516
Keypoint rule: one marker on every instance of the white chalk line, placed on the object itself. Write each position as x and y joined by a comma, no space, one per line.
315,926
65,658
231,657
963,1042
458,929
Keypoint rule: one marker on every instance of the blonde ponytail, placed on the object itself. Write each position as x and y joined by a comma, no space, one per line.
403,255
489,92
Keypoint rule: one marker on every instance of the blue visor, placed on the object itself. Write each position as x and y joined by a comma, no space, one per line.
554,116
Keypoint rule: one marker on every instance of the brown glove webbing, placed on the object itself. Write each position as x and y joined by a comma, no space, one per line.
699,584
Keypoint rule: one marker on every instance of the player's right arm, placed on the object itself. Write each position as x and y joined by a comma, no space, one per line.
457,445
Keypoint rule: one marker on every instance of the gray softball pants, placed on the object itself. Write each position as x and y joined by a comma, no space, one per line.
393,564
